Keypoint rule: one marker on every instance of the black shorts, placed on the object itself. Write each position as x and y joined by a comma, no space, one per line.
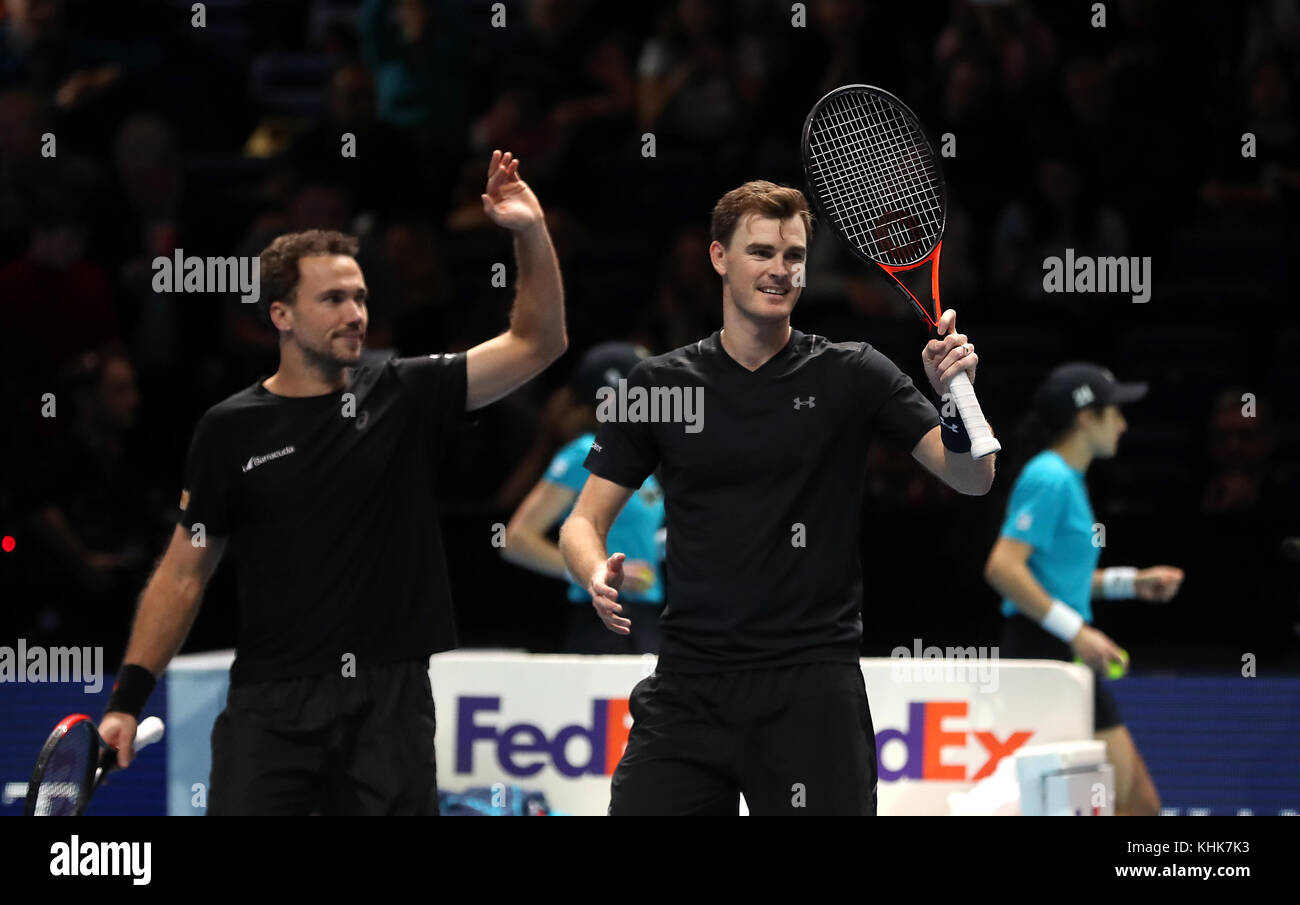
328,744
795,740
1024,639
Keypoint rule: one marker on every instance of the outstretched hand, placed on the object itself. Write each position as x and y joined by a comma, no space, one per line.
603,587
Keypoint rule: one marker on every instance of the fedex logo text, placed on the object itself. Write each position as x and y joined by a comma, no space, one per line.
925,739
523,749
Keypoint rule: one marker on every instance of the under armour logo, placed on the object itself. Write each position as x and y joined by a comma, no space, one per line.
799,403
1082,396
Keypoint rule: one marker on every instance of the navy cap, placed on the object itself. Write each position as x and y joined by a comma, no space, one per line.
1073,386
604,366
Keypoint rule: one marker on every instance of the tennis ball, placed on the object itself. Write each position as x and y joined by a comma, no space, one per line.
1114,669
644,573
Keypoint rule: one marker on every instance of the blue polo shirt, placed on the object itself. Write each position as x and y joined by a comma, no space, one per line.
1049,510
636,531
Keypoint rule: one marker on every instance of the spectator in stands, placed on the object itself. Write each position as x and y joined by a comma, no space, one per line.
1242,442
587,86
153,219
422,309
54,302
1059,212
418,66
1265,183
38,50
1010,34
385,173
96,519
700,81
685,307
1093,130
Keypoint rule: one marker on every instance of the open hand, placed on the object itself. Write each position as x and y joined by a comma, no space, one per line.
507,200
603,587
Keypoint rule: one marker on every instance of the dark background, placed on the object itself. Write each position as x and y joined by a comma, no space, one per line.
1119,140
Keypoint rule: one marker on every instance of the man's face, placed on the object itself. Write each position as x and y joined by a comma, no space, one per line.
760,263
328,320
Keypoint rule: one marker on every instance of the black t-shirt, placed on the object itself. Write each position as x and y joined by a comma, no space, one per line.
328,502
762,494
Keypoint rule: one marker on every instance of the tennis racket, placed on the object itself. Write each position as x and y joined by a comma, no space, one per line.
71,767
874,177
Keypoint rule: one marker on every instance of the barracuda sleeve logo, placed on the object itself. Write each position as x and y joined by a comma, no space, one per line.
254,461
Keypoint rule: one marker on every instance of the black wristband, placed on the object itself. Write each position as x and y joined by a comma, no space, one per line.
954,435
131,690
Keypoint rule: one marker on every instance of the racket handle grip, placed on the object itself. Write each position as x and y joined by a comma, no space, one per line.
982,441
148,732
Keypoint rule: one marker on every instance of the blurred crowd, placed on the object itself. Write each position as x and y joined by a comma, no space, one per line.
128,131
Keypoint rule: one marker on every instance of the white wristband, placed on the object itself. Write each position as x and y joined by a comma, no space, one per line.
1119,582
1062,621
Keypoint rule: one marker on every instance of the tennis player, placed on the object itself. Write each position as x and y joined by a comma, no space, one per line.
1044,564
758,687
636,531
320,479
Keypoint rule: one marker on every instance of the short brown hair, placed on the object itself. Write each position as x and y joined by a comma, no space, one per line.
758,197
278,262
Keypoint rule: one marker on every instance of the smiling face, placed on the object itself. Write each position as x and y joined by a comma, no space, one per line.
328,318
759,264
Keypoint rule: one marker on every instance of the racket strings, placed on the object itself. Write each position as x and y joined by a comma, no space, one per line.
884,162
61,785
894,176
884,180
875,175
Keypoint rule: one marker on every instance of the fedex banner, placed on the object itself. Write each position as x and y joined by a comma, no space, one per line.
560,723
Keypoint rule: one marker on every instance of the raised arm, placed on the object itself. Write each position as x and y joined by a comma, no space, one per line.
536,336
944,359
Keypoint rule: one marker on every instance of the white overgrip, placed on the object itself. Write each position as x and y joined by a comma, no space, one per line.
148,732
982,441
